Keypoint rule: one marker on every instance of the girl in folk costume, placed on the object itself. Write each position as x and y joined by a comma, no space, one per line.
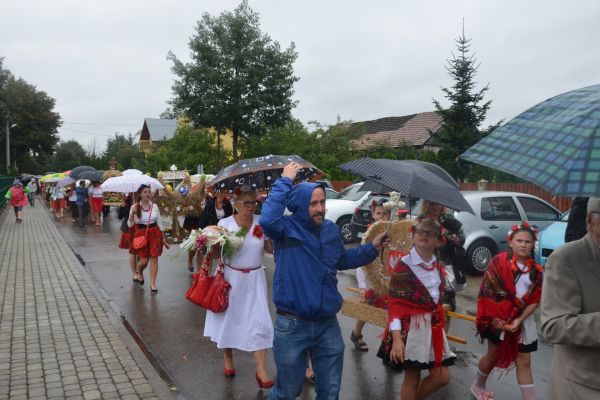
96,201
246,324
145,216
415,339
509,294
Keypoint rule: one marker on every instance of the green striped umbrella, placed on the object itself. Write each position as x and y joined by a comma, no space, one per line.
554,144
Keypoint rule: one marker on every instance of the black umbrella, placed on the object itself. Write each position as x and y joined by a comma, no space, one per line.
412,179
261,172
93,176
75,172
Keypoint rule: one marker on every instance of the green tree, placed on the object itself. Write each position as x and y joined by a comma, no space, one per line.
238,77
464,115
69,155
36,132
188,148
124,149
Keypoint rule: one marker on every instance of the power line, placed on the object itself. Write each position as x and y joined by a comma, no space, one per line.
87,133
98,124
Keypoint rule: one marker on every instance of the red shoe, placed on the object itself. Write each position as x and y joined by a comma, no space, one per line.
230,373
263,384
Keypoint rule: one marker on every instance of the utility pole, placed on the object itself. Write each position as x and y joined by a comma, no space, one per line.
7,146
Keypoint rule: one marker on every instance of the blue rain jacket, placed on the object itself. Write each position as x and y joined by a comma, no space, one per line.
307,256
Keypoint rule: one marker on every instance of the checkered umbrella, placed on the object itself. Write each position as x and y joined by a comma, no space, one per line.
261,172
555,144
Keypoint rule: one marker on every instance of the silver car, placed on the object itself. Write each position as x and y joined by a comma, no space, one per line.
495,213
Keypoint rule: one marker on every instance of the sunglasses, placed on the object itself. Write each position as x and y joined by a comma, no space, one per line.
426,233
249,204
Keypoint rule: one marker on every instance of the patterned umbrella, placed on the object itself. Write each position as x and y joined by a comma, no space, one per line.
65,182
130,183
412,179
261,172
555,144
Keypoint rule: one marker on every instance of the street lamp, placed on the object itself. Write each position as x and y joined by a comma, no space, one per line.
8,126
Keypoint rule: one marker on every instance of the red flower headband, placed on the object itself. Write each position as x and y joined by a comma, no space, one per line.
524,226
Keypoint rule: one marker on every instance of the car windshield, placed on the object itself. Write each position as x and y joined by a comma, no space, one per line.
352,193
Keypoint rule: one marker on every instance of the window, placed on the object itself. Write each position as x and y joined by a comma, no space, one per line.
352,193
499,209
535,210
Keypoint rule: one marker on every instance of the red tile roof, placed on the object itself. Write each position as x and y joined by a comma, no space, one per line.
394,132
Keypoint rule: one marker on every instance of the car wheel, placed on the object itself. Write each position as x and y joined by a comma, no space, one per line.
345,225
479,255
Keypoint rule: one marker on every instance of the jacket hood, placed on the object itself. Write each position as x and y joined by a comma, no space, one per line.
299,201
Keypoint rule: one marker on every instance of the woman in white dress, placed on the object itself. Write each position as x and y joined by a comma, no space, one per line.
246,324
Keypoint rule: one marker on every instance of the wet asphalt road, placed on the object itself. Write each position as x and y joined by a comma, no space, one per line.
170,329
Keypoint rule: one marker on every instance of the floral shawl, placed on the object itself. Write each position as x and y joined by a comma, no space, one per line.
498,299
408,297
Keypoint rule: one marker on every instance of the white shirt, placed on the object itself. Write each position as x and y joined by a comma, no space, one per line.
220,213
154,218
430,279
524,282
95,192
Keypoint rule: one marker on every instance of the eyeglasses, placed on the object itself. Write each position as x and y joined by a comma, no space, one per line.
426,233
595,212
249,204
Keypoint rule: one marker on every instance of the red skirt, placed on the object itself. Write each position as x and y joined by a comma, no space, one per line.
59,203
97,204
154,244
127,239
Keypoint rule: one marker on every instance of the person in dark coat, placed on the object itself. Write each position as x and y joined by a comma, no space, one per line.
214,209
576,227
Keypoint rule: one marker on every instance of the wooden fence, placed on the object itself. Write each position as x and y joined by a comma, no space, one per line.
562,203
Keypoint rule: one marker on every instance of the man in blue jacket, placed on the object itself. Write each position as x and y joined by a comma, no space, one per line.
308,253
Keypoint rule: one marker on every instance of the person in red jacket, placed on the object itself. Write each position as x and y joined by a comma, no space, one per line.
18,199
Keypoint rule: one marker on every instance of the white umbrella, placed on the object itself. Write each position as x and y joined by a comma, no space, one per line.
130,183
132,171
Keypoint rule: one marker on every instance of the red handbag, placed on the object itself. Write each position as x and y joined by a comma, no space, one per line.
210,292
142,241
217,297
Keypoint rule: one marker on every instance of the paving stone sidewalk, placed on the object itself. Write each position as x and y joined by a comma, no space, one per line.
58,339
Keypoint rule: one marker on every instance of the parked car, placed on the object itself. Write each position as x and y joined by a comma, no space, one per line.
363,216
551,238
495,213
331,194
340,209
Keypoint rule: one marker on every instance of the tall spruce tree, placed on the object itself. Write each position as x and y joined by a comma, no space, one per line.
467,111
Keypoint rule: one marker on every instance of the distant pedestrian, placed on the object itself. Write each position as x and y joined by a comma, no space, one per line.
60,203
145,216
18,199
576,225
308,253
509,294
96,202
33,188
571,313
71,196
82,202
127,233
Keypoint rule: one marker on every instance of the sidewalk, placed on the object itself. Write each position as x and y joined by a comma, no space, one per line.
58,338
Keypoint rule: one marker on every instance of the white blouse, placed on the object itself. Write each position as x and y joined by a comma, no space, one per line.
524,282
95,192
430,279
154,218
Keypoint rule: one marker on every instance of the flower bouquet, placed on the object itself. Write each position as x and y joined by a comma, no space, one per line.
204,239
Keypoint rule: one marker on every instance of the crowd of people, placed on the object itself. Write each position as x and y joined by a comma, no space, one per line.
308,253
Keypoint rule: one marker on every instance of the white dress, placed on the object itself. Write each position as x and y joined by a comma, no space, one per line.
246,324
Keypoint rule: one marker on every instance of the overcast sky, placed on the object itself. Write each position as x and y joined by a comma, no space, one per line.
104,61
